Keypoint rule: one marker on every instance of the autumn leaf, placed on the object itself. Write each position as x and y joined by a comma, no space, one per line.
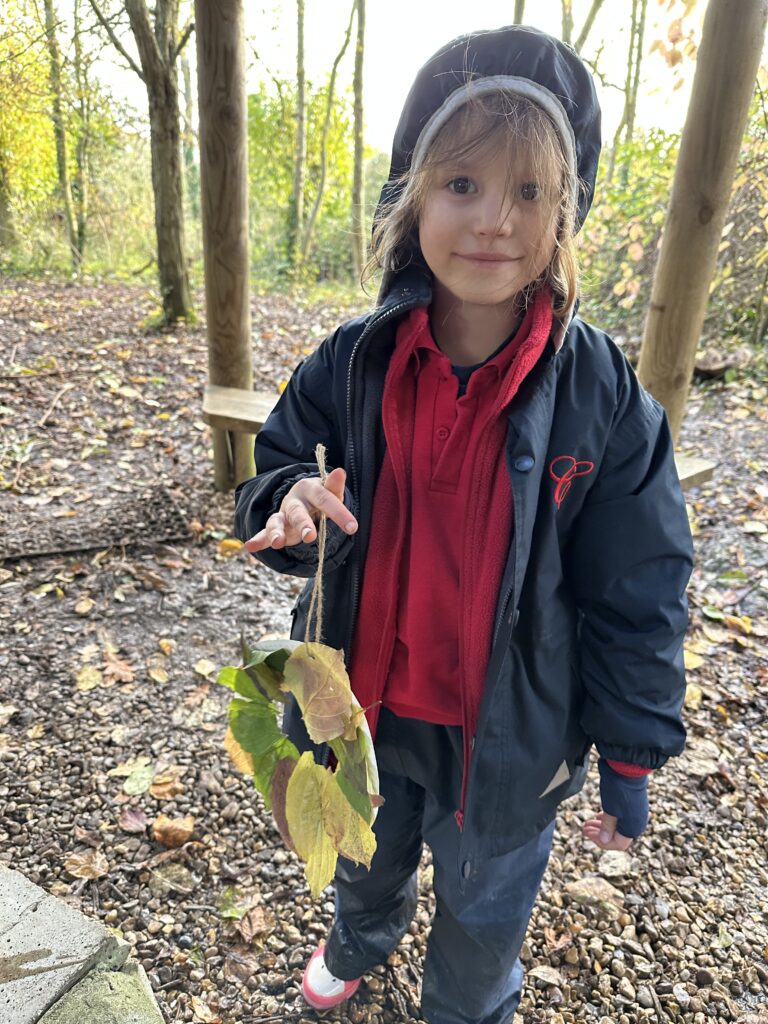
167,784
229,546
350,834
7,711
139,780
133,820
117,669
84,605
166,645
255,925
204,667
305,825
91,864
254,725
173,832
241,759
201,1012
126,768
88,678
281,775
692,660
316,676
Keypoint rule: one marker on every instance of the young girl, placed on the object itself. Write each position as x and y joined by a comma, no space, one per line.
508,547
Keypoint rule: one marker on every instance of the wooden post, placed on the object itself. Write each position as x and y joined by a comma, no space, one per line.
224,193
727,64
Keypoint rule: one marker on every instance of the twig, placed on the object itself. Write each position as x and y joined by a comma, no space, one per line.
52,406
182,42
45,373
116,42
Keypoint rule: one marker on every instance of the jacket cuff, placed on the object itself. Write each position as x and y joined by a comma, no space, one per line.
629,771
642,757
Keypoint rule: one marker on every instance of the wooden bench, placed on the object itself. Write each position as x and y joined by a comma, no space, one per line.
233,409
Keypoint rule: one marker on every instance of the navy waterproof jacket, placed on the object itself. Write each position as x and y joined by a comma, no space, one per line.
587,643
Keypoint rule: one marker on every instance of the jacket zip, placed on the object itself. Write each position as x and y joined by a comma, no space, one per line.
385,317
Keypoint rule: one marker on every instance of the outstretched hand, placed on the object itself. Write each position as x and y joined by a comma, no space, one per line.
602,832
295,522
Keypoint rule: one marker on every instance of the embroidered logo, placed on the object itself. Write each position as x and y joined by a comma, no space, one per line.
564,469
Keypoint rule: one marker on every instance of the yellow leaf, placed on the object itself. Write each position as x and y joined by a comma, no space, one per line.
350,834
204,667
742,623
84,605
303,813
693,696
229,546
88,678
241,759
166,645
316,676
692,661
158,673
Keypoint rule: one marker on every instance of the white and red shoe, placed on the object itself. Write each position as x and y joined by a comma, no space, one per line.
321,989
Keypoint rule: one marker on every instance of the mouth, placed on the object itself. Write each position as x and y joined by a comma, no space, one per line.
487,257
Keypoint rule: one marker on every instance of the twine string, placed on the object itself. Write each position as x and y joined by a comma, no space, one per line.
316,602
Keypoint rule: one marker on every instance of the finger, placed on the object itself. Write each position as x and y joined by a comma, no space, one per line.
271,536
258,542
299,520
330,505
336,481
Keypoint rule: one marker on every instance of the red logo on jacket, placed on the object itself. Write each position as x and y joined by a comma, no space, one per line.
564,469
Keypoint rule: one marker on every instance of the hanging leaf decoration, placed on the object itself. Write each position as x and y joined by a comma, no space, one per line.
320,812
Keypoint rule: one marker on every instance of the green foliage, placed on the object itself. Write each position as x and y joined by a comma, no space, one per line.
271,144
621,240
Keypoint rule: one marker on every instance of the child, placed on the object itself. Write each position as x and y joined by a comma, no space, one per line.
508,547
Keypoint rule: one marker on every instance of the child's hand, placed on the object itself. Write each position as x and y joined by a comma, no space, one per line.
300,508
602,832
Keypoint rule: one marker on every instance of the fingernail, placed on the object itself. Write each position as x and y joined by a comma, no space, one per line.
306,532
605,837
351,527
275,538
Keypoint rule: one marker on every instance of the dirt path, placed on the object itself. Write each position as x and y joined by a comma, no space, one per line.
107,657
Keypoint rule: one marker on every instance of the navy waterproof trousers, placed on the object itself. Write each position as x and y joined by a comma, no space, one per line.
472,971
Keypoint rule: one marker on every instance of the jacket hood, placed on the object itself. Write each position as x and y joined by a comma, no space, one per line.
516,59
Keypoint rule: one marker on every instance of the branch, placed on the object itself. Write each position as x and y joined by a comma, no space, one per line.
190,28
118,45
590,20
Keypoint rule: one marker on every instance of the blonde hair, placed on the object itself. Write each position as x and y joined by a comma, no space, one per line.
524,132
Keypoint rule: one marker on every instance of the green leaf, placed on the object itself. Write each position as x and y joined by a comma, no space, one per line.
139,780
238,680
312,842
229,907
351,774
349,833
316,676
713,613
265,765
254,725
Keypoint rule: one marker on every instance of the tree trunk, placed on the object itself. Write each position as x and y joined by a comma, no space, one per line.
60,135
8,237
306,242
519,14
634,88
81,184
296,211
567,9
191,177
358,185
223,110
157,52
726,67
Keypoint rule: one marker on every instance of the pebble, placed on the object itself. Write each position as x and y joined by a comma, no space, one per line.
627,989
644,997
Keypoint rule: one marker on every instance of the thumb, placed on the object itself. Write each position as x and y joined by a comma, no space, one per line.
607,827
335,482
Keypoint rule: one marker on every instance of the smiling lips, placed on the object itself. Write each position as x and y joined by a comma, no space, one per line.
487,257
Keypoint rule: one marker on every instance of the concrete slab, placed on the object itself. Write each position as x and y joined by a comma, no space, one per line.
46,947
108,997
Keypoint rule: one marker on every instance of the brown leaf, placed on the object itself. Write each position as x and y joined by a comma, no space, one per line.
172,832
167,784
196,697
202,1013
280,779
7,711
92,838
117,669
256,925
241,964
91,864
133,819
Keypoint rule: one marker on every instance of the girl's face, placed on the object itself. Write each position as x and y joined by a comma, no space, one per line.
486,230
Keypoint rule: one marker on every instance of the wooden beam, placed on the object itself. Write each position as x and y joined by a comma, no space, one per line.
693,471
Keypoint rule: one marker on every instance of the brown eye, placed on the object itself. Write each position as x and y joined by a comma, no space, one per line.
530,191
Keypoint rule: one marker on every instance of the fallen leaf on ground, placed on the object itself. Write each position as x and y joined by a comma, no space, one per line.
202,1012
132,819
91,864
156,669
84,605
7,711
204,667
549,975
167,784
166,645
172,832
117,669
88,678
255,925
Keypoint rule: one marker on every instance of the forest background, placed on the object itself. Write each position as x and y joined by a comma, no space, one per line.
76,187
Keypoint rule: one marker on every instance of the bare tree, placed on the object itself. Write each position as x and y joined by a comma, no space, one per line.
589,21
626,127
519,14
567,20
358,240
159,44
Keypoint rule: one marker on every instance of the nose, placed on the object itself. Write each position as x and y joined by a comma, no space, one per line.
496,215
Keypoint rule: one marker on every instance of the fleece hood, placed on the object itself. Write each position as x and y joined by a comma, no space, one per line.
516,59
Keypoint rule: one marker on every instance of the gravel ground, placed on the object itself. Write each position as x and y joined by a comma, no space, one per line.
107,657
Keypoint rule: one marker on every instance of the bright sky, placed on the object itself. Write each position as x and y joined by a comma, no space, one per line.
402,34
